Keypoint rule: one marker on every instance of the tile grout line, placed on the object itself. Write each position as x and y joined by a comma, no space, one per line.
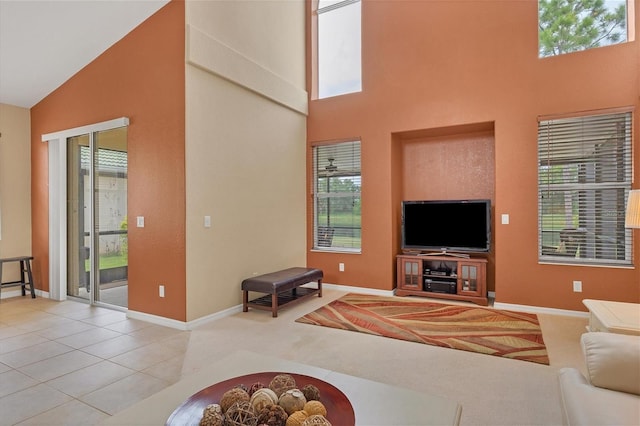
154,338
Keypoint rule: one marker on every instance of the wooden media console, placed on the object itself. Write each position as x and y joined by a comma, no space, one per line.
443,277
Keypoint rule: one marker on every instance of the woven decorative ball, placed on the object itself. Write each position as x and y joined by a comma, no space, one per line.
212,416
263,397
240,414
292,400
232,396
311,392
272,415
296,418
282,383
315,407
254,387
316,420
243,387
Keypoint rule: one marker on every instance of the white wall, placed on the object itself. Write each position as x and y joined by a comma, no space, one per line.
245,146
15,186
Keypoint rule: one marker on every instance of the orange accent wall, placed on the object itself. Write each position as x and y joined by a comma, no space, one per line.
454,163
141,77
431,65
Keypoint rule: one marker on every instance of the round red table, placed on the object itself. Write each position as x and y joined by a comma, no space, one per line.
339,409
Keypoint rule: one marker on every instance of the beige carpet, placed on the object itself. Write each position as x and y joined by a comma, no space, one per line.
491,390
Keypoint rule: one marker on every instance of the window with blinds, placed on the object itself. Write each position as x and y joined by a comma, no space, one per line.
336,194
584,177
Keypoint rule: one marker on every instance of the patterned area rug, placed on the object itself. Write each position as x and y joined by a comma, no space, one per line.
507,334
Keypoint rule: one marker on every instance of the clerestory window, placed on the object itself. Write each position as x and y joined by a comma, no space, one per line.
339,65
584,177
566,26
336,193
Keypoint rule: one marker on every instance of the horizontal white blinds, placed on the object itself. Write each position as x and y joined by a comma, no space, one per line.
336,189
584,176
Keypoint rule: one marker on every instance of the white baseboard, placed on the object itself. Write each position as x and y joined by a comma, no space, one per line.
190,325
158,320
238,308
539,310
182,325
6,294
491,294
214,316
361,290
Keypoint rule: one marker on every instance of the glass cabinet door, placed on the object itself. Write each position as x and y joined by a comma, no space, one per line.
468,278
412,274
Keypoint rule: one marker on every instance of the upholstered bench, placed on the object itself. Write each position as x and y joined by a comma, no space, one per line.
282,288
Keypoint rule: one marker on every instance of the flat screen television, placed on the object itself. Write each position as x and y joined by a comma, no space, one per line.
446,226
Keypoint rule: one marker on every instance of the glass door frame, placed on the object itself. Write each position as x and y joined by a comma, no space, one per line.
58,206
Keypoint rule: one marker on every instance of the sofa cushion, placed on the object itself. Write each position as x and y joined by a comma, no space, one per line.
613,361
584,404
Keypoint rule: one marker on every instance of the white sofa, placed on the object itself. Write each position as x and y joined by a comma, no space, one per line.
610,394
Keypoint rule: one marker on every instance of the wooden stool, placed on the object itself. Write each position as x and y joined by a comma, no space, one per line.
25,267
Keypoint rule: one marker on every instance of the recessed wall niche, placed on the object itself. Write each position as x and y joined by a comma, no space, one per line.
445,163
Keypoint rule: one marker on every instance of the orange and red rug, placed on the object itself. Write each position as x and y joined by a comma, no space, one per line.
507,334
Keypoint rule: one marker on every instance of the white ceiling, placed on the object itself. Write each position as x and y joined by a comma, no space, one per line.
45,42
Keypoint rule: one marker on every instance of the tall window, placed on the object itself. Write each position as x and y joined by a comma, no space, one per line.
566,26
584,177
339,46
336,194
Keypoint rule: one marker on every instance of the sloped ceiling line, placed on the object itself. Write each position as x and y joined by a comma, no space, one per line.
44,43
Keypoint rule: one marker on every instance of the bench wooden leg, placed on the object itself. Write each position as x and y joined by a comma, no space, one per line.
320,288
22,269
274,305
245,300
30,277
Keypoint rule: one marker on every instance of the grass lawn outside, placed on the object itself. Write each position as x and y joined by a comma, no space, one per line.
110,261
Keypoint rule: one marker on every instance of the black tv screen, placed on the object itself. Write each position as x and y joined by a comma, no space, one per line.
447,226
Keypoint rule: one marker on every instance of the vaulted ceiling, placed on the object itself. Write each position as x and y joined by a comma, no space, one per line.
44,43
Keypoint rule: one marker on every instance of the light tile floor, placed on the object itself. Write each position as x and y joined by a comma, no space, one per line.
69,363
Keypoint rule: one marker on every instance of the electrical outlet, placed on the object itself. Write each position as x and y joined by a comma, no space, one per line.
577,286
341,267
161,290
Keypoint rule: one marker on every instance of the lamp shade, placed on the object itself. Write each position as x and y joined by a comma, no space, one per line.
632,219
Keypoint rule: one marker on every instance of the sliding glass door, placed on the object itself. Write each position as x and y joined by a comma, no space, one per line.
97,243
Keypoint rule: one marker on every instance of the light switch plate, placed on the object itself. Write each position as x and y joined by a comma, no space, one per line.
505,219
207,221
140,221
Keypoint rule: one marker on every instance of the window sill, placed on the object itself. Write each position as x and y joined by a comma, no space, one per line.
336,250
590,265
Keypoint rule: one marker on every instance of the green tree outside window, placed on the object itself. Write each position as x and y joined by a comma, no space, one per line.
572,25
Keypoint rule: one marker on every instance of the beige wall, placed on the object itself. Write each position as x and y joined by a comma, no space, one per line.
245,146
269,33
15,185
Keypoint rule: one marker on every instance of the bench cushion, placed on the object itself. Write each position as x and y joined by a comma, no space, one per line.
284,280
